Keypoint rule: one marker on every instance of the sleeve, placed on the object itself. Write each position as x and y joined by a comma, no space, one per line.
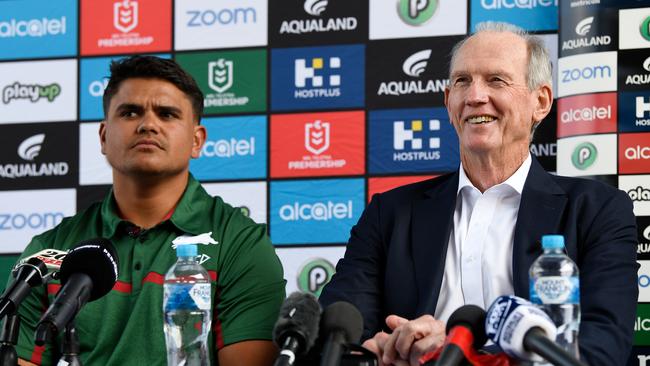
30,312
608,283
359,274
250,284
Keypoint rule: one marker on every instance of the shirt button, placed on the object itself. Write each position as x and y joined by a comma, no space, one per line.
137,266
143,239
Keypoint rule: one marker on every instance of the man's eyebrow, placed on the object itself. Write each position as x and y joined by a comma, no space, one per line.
168,109
129,106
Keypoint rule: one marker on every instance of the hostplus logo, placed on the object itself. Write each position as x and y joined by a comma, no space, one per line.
584,155
413,66
416,12
639,194
582,29
31,92
125,20
221,17
642,111
33,27
220,79
586,73
316,8
317,142
314,275
640,79
311,79
319,211
28,150
228,148
517,4
409,147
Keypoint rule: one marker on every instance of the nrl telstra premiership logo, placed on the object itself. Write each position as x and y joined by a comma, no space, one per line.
317,137
125,15
220,75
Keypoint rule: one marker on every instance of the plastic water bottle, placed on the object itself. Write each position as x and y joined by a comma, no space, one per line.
555,288
186,307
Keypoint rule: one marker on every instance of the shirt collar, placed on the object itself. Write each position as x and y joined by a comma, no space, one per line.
516,181
185,215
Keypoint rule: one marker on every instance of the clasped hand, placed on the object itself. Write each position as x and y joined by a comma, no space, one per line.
409,340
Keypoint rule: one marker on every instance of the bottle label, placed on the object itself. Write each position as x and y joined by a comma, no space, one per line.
555,290
187,296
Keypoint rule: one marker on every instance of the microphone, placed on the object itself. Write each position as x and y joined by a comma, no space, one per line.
88,272
51,257
27,274
465,330
341,323
524,331
297,327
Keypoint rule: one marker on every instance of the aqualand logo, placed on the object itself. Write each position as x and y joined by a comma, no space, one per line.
584,26
314,275
413,66
315,7
416,12
584,155
33,27
31,92
28,150
640,79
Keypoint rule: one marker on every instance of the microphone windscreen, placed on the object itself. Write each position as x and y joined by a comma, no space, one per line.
472,317
95,258
343,316
299,317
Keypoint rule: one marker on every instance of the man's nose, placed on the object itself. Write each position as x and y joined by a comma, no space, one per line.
477,93
148,123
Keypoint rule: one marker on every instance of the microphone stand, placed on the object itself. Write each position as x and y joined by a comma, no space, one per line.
70,353
8,339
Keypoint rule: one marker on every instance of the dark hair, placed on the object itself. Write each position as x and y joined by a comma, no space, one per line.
154,68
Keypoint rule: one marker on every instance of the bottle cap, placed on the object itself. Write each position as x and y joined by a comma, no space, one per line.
186,250
552,241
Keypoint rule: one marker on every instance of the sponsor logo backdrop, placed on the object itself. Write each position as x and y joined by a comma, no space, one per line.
311,107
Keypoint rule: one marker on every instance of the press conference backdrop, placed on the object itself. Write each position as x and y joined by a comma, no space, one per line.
311,106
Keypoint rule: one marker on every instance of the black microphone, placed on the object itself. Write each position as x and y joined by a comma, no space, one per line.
525,332
297,327
88,272
341,323
465,329
27,274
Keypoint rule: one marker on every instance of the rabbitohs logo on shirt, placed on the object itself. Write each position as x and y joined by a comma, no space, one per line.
204,239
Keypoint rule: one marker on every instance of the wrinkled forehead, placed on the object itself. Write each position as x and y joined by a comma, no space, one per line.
496,49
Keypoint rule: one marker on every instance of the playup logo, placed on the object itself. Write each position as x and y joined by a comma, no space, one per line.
416,12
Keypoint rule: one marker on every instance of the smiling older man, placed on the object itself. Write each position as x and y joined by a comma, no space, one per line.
421,251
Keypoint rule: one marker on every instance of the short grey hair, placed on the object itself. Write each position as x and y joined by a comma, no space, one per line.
539,62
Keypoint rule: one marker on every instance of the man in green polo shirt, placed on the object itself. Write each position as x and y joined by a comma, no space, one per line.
152,110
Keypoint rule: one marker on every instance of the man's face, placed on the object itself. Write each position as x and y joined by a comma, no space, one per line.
488,99
150,129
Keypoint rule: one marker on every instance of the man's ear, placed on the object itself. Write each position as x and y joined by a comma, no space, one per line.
198,139
102,136
543,102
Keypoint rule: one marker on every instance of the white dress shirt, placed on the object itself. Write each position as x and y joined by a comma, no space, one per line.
478,266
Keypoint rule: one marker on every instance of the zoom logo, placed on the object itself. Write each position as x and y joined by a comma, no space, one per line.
584,155
320,211
315,7
40,221
314,275
586,73
200,18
